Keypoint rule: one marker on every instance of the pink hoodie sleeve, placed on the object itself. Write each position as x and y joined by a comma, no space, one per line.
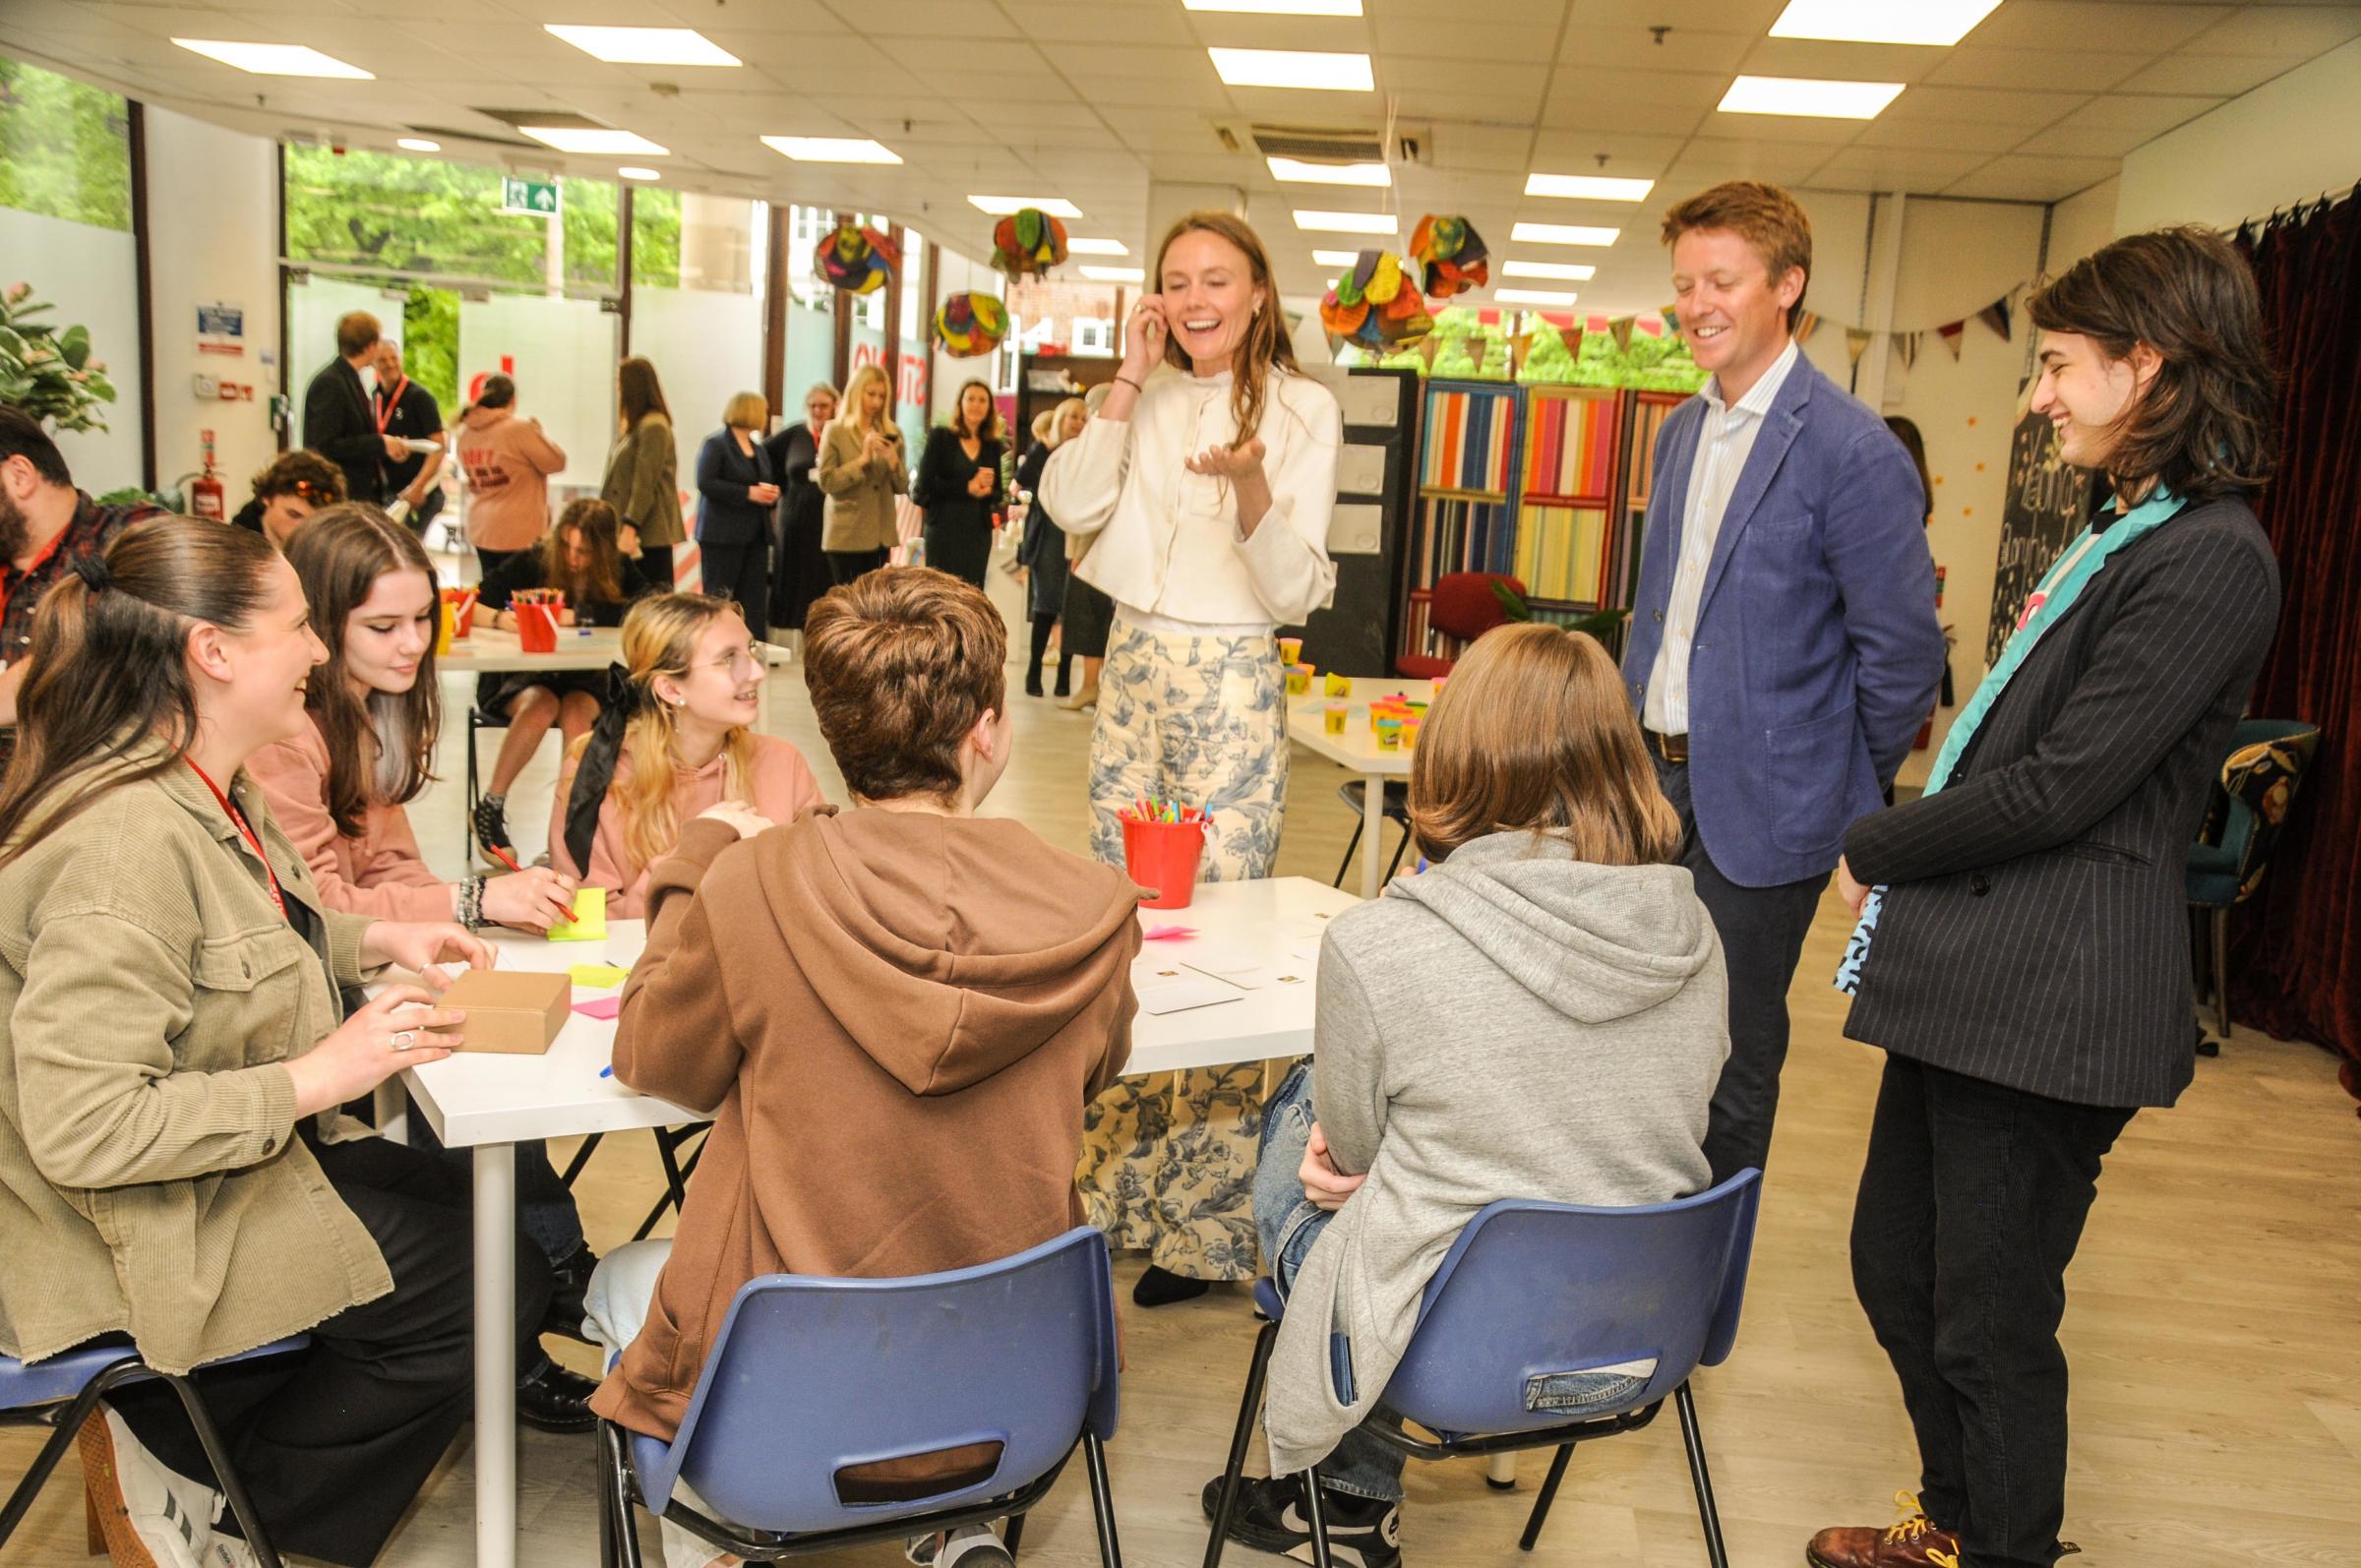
536,448
783,784
379,874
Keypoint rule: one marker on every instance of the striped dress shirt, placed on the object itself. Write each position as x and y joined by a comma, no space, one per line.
1724,440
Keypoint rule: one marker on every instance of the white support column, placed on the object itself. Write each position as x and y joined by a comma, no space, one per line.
1877,304
495,1356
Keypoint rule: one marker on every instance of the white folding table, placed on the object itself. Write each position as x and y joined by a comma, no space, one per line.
1357,749
491,1103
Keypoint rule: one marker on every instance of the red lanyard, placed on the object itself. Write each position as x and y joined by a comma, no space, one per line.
245,831
387,403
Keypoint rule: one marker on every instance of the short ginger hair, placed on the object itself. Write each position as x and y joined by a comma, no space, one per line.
900,663
1765,217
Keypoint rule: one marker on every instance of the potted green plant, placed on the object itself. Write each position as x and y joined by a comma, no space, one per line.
47,371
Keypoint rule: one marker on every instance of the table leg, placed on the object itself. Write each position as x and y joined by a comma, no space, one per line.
495,1356
1372,836
1502,1471
393,1111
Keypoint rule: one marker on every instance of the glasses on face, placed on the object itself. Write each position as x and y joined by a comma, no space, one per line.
739,662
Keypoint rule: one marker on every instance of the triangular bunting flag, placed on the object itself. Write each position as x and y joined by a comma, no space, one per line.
1950,333
1519,347
1805,324
1906,345
1571,336
1856,343
1672,320
1427,350
1996,317
1620,327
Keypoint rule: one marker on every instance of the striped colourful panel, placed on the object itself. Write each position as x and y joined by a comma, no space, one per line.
1468,438
1648,420
1570,447
1561,552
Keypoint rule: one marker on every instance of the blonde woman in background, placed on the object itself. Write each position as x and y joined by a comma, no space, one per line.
736,488
676,737
862,468
644,472
1205,482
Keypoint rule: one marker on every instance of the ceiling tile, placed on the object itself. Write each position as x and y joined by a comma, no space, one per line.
1634,48
1821,60
1762,160
1706,15
929,19
2284,33
2097,25
802,18
2067,141
1887,168
2023,178
1937,105
2035,69
1782,127
1524,32
1902,134
1628,157
2219,76
1062,22
2150,114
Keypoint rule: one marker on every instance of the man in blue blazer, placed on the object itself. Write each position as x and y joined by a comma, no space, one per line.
1784,646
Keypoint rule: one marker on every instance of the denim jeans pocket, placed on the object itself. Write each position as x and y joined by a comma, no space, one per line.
1600,1391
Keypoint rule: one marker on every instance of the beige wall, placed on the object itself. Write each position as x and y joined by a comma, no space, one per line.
2290,140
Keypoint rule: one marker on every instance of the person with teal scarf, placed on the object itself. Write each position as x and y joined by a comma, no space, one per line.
2022,953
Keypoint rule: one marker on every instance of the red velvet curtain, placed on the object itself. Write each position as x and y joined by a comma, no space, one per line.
2296,946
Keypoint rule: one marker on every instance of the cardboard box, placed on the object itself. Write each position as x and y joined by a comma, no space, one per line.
510,1010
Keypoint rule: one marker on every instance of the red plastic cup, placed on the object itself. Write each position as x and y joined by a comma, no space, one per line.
537,627
1162,857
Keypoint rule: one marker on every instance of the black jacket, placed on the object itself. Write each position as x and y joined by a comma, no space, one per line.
724,475
2035,931
339,425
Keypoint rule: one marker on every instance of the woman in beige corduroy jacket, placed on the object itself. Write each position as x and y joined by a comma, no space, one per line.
642,481
172,1055
861,469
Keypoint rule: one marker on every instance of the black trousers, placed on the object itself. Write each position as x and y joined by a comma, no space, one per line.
333,1444
1972,1203
655,565
491,560
1045,622
844,566
1762,931
960,546
742,572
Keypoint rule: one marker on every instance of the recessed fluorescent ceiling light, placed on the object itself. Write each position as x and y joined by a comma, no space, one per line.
1114,275
1337,258
1806,98
417,144
1532,296
831,149
1563,234
1002,206
1587,187
1293,68
1373,174
1350,222
596,141
1934,21
645,46
1561,272
1279,8
1097,248
275,59
631,173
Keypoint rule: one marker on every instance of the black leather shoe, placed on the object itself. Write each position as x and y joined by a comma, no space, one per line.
556,1400
568,1282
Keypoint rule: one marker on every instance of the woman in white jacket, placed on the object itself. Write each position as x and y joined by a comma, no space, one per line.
1205,483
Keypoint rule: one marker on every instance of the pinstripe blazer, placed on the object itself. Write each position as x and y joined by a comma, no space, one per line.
2035,931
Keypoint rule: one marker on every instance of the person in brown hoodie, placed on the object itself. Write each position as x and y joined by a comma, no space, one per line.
905,1006
509,462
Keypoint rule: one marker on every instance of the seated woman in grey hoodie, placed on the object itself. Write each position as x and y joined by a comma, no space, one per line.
1541,1014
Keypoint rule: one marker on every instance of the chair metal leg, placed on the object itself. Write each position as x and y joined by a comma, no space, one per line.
2221,967
1012,1532
1401,845
1541,1504
69,1428
582,1158
1318,1514
1247,1405
217,1454
1708,1516
1102,1501
676,1175
606,1505
1350,844
618,1476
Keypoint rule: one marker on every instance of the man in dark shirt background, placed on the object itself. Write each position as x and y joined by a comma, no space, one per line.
407,410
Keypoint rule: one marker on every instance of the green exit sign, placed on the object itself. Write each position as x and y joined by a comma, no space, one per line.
537,197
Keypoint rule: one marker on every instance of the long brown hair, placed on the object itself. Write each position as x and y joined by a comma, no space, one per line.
639,394
2207,426
992,428
1533,733
1265,345
601,531
379,749
107,672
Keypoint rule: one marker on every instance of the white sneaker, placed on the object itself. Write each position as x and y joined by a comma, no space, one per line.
151,1516
974,1546
229,1552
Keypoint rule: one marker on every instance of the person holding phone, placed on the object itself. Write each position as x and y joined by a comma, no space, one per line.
861,469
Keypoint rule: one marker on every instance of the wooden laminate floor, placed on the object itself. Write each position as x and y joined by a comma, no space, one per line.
2214,1321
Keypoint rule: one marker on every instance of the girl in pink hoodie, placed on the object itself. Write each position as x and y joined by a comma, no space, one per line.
509,462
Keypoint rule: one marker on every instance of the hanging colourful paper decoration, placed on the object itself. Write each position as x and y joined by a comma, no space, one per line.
1376,303
1452,255
1027,241
969,325
856,259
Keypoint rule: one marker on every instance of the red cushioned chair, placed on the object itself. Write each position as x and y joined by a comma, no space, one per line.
1462,606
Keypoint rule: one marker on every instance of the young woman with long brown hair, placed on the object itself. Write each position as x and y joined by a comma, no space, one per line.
1205,484
1542,1014
959,485
677,736
582,558
644,472
172,1053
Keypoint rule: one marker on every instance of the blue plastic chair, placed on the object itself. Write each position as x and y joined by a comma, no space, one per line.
1530,1290
810,1376
78,1378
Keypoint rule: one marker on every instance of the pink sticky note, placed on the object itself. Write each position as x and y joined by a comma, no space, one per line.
1158,933
603,1007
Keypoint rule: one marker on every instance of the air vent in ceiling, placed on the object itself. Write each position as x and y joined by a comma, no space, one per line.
1332,144
443,133
546,119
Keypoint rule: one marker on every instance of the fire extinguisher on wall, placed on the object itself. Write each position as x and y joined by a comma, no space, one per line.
206,497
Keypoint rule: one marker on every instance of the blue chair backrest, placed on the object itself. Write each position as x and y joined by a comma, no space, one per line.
1533,1289
809,1375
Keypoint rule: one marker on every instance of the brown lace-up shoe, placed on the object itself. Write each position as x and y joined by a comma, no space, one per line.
1914,1543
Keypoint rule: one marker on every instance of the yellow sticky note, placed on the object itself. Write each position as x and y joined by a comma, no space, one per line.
589,922
600,976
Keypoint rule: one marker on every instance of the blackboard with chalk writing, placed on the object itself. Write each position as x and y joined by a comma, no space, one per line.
2048,502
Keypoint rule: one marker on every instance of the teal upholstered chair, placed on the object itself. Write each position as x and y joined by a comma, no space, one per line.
2259,781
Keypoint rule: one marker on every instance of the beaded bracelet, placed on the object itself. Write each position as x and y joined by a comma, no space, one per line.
472,904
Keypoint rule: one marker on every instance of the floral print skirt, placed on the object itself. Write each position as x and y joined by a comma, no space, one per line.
1167,1159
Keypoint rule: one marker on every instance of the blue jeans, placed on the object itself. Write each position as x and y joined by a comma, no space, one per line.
1287,1224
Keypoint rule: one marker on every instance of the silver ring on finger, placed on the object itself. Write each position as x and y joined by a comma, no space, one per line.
404,1039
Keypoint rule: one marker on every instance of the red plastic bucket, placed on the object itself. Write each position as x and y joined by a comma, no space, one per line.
537,627
1162,857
